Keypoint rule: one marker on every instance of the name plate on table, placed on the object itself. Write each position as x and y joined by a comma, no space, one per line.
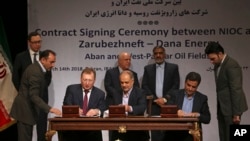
70,111
117,111
169,111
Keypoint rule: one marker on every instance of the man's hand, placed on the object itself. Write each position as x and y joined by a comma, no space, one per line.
160,101
56,111
236,119
93,112
181,113
128,108
80,111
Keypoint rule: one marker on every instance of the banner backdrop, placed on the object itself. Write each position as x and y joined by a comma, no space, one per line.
91,33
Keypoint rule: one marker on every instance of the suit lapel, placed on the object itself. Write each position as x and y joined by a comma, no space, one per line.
153,78
79,94
196,103
165,78
91,97
181,99
131,97
222,68
116,76
27,57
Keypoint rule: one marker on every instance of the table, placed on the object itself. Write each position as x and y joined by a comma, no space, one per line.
124,124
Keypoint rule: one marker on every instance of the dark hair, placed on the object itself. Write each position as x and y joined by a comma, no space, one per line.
88,70
159,47
214,47
193,76
31,34
45,53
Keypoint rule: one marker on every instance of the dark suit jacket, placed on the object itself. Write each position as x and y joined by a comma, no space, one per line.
112,83
74,96
200,104
171,81
230,94
22,61
29,102
137,100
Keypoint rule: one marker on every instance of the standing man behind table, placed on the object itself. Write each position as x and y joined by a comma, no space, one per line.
231,99
158,79
78,94
28,104
22,61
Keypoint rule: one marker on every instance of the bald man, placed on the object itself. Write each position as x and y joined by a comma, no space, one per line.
112,82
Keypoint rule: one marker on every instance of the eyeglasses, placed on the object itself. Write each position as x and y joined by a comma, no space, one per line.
35,42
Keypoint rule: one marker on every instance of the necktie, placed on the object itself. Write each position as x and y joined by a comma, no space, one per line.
85,102
34,58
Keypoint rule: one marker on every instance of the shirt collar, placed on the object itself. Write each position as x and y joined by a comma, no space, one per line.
162,65
89,90
120,69
189,98
223,59
127,94
32,52
44,70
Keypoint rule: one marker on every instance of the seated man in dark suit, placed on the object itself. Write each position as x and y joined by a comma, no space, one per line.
191,103
111,79
134,100
91,101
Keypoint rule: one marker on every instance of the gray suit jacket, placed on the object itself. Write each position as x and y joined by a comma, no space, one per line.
230,94
22,61
28,102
